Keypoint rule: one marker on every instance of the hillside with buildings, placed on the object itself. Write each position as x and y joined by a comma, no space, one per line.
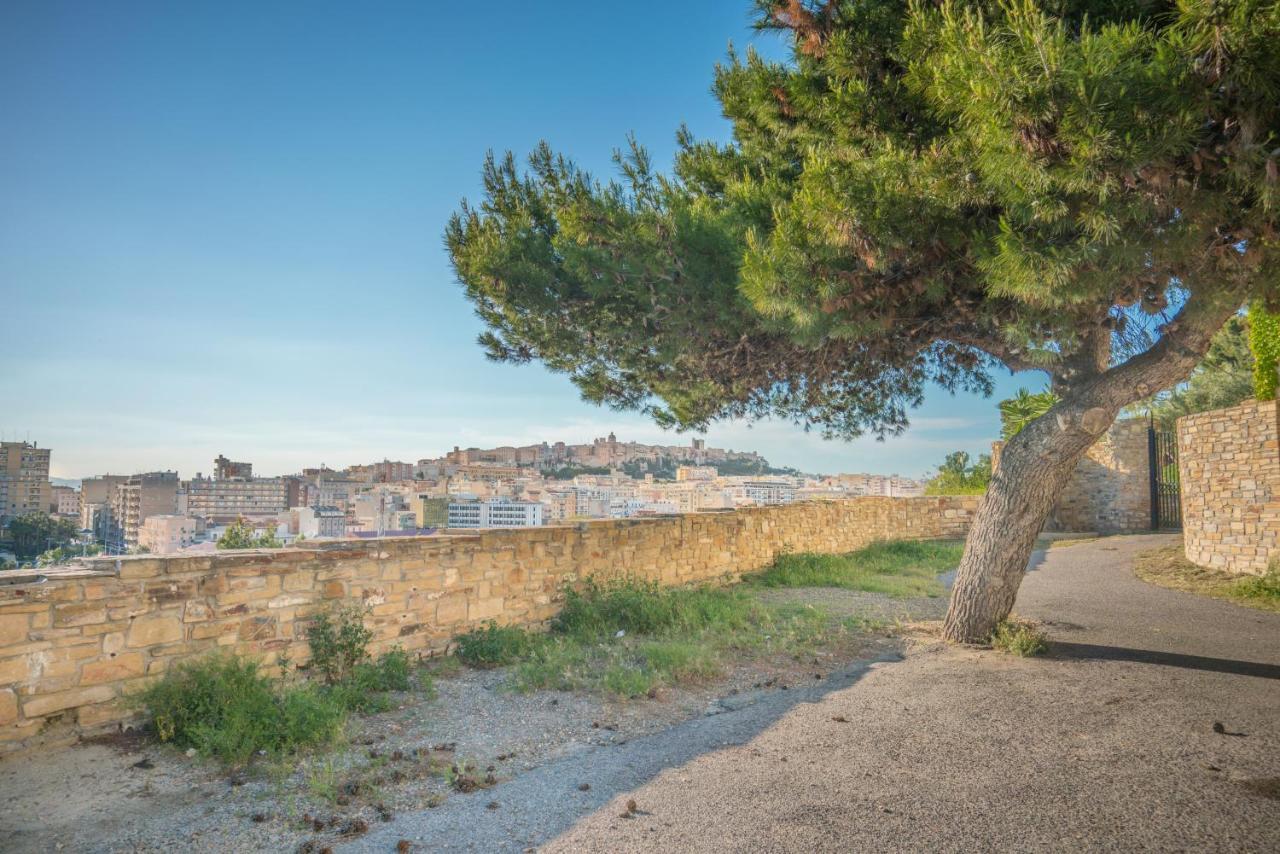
161,512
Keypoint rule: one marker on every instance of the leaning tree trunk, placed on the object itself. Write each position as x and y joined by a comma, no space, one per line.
1036,464
1034,467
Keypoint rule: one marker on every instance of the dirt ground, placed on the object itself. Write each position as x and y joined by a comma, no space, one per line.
127,793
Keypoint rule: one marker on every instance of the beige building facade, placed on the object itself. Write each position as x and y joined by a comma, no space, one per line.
24,480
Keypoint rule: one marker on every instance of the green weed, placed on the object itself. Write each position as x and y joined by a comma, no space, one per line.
1019,637
493,645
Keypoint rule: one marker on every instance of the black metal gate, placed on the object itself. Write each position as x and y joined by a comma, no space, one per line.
1166,498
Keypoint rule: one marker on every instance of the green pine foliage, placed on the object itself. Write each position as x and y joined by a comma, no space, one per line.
1264,343
1023,408
921,192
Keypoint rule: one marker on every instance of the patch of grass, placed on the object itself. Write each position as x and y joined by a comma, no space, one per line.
493,645
630,637
899,568
1169,567
1019,637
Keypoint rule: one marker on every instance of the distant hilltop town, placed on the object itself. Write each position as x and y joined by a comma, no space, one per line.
159,512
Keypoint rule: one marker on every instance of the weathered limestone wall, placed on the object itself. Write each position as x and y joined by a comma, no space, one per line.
1229,468
1110,490
72,648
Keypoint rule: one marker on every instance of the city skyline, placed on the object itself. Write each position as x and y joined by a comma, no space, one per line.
208,246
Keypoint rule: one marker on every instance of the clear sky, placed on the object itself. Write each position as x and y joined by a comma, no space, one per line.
221,225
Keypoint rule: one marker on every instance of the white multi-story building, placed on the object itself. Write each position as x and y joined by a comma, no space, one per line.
320,522
166,534
495,513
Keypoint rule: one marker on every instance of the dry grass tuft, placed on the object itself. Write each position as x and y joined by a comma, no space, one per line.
1169,567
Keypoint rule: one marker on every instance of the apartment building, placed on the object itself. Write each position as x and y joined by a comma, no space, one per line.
696,473
495,513
768,491
66,502
225,469
223,501
134,500
167,533
24,480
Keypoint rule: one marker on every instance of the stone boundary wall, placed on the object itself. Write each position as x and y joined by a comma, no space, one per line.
72,648
1110,490
1229,471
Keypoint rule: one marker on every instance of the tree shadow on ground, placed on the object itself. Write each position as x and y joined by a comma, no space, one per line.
1099,652
541,803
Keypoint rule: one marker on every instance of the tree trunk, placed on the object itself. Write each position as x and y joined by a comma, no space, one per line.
1036,464
1032,473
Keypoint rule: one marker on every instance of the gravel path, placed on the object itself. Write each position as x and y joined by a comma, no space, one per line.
1109,744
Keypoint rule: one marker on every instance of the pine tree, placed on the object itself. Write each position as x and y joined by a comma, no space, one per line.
923,192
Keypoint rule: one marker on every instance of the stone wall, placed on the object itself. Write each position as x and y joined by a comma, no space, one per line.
1229,469
1110,490
72,648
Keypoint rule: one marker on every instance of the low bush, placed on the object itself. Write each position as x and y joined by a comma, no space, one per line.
1260,588
1019,637
225,708
339,642
900,568
493,645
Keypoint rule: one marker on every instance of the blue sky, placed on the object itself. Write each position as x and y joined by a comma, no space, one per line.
220,228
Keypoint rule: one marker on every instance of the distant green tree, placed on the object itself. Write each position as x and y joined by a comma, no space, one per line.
1023,408
64,554
34,533
1223,378
1264,342
241,535
957,477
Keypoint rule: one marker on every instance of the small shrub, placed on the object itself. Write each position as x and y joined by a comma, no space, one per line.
364,688
339,642
224,708
493,645
1260,588
1019,637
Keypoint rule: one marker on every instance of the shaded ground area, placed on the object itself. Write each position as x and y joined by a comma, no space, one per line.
1154,726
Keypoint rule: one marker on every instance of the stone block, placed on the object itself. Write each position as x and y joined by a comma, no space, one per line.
13,628
39,705
451,609
8,706
111,669
79,614
149,630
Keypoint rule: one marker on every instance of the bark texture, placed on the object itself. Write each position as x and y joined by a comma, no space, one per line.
1036,464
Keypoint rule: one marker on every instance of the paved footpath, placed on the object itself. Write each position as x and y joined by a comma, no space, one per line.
1107,745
